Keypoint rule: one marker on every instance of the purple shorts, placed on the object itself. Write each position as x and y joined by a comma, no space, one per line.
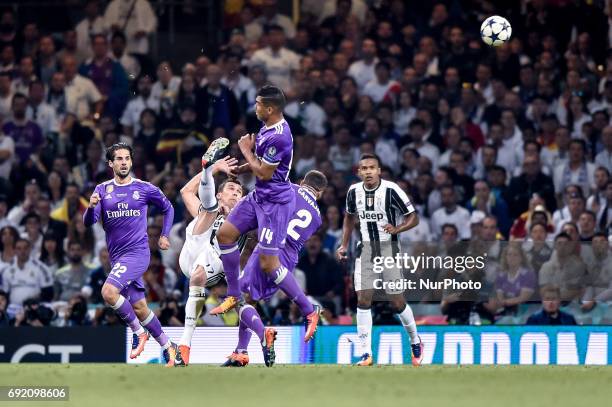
270,219
258,284
126,274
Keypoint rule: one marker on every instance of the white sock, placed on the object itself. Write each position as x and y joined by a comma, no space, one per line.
410,326
140,329
193,309
206,190
364,330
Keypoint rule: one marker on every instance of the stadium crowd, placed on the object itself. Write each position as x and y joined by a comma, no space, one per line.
511,143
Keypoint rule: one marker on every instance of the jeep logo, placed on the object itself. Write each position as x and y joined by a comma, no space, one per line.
371,215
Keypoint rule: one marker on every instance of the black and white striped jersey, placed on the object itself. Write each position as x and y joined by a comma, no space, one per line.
387,204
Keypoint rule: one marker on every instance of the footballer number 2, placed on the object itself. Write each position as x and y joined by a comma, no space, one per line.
302,221
118,269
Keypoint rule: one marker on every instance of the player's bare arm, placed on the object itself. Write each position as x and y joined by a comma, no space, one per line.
347,229
261,170
409,222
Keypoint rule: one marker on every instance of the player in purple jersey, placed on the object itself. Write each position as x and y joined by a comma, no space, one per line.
305,221
122,204
269,207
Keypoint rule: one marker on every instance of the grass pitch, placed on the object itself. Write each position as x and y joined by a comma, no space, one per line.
118,385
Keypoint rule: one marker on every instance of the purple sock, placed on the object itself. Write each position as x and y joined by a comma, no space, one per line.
230,257
154,327
125,311
244,337
250,318
286,281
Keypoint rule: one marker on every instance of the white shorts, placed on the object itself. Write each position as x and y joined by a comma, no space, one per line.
194,254
365,278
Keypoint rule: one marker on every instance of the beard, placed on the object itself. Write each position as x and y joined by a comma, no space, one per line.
121,175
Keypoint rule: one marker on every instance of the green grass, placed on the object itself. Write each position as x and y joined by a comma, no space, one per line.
116,385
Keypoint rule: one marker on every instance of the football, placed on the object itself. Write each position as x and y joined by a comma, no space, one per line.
495,31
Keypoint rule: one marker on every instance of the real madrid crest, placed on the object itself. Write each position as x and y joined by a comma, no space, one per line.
109,188
136,195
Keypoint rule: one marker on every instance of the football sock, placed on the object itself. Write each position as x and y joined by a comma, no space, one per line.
154,327
206,190
230,257
409,324
125,311
244,337
285,280
193,309
249,316
364,330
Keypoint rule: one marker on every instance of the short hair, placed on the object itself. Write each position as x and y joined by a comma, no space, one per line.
94,36
120,35
273,27
449,225
563,235
19,96
416,122
110,152
316,180
580,142
368,156
272,95
591,214
73,242
231,180
21,239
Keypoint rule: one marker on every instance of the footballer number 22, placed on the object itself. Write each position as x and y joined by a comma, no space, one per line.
118,269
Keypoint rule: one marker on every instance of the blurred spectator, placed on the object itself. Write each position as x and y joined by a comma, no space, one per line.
136,19
6,95
47,62
119,54
32,232
214,298
216,104
363,70
34,314
52,253
599,269
26,134
382,88
8,238
26,278
73,204
41,112
98,277
169,313
450,213
159,280
4,319
144,100
323,275
576,171
165,91
71,278
25,76
551,313
108,75
92,24
565,270
242,86
270,16
7,153
515,283
76,313
531,181
81,95
278,61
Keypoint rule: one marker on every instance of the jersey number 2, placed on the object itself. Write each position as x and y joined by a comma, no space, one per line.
302,221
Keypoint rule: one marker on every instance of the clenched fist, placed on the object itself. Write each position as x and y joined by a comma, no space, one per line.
94,199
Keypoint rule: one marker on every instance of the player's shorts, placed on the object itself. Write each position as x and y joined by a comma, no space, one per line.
205,256
255,282
126,274
193,246
270,219
370,274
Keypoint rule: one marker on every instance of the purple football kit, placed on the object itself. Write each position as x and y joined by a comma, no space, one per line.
123,210
305,221
269,206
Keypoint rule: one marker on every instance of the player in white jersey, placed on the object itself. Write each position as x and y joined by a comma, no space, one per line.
383,211
199,259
